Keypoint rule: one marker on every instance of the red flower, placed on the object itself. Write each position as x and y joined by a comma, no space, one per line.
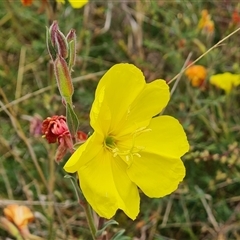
235,17
55,129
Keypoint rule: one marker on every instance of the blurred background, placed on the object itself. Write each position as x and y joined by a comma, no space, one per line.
159,37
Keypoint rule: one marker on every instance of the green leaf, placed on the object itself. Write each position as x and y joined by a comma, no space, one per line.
106,224
72,120
119,235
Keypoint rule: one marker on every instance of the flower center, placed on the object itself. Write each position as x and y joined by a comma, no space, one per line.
125,148
109,142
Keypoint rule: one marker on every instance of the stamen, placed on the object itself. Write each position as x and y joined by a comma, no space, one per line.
124,152
140,131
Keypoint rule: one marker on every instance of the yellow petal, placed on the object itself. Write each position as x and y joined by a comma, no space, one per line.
84,153
78,3
159,168
166,137
150,102
100,115
156,176
225,81
117,89
107,187
236,79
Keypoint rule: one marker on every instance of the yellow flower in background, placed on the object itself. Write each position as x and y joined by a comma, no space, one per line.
225,81
196,75
129,148
205,23
75,3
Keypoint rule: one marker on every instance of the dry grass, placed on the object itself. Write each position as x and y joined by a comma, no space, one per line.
159,37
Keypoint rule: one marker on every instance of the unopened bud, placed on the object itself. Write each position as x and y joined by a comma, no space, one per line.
62,45
71,38
71,35
64,80
52,30
81,137
51,49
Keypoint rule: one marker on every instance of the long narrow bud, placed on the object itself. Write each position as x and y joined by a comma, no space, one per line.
62,45
71,39
50,48
52,30
63,79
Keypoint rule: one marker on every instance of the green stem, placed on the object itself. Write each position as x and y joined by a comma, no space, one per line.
89,216
223,121
87,208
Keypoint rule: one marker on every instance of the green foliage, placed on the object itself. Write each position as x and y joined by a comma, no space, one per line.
206,205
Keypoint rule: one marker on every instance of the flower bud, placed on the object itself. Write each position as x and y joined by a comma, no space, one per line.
71,35
52,30
62,45
71,39
56,41
64,80
81,137
50,48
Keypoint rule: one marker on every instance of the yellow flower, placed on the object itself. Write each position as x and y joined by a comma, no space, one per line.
205,23
75,3
225,81
196,75
129,148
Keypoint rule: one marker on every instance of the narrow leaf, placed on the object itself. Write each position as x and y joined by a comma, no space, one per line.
72,119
